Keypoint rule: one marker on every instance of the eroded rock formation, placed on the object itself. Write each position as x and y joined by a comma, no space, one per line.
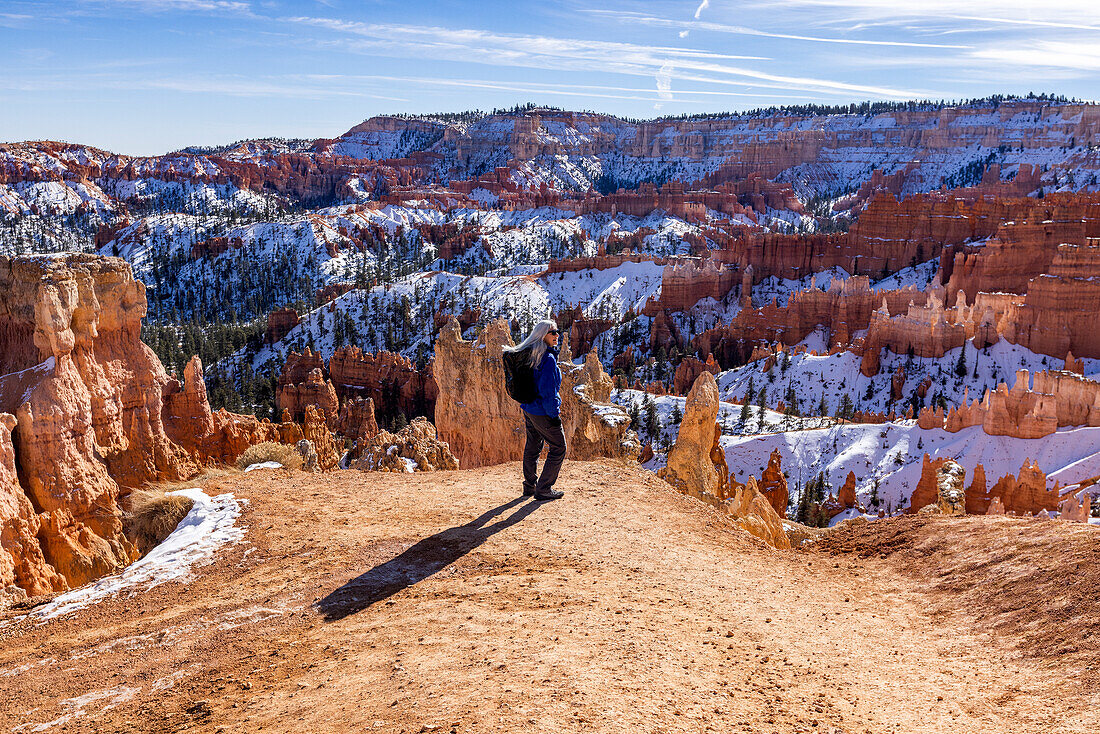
416,447
1024,494
689,369
314,390
774,485
356,420
484,426
95,413
1056,399
391,380
697,466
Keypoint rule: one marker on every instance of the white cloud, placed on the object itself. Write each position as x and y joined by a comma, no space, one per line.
702,6
649,20
1062,13
664,84
187,5
564,54
1083,57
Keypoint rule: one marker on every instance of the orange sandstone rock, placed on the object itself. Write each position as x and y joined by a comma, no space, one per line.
356,420
95,413
697,467
315,390
774,485
414,448
847,495
484,426
279,323
1026,493
689,369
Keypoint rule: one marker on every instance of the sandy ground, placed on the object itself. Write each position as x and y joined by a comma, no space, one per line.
446,603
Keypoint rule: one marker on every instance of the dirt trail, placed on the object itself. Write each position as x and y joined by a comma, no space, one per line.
446,603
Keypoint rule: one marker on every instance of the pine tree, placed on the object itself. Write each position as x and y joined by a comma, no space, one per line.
743,418
652,419
960,366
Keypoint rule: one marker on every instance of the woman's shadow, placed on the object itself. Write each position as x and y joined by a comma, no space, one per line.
423,559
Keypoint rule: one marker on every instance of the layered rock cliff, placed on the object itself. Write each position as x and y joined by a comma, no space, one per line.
1057,399
94,414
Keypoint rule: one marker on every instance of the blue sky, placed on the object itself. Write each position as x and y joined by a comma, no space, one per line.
150,76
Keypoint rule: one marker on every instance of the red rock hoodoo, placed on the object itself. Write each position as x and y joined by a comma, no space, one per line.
94,413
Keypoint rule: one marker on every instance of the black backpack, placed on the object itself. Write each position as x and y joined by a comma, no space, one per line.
519,376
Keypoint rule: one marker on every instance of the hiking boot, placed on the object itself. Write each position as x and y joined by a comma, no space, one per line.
528,491
550,494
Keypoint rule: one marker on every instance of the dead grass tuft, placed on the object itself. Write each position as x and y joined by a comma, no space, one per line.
153,515
286,455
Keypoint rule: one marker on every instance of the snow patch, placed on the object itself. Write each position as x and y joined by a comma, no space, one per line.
263,465
210,524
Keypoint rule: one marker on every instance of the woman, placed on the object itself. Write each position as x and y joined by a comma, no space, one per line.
543,416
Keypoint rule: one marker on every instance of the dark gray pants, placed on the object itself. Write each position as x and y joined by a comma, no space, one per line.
542,429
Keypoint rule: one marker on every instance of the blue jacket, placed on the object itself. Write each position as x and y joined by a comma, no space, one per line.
548,381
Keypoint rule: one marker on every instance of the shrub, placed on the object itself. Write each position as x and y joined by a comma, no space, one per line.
288,456
153,515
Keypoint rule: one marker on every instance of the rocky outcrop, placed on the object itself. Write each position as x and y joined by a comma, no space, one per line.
87,396
689,369
940,489
279,323
95,413
356,420
484,426
416,447
697,467
1025,494
847,494
690,467
950,496
685,282
594,427
1073,511
23,567
846,308
393,381
773,484
315,390
473,413
927,489
1056,399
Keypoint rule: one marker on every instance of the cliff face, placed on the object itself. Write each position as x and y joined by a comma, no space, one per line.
484,426
697,466
846,307
87,397
390,379
94,413
313,390
941,485
23,567
1056,400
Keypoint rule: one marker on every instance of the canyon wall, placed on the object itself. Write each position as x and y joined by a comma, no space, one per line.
1057,399
88,412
